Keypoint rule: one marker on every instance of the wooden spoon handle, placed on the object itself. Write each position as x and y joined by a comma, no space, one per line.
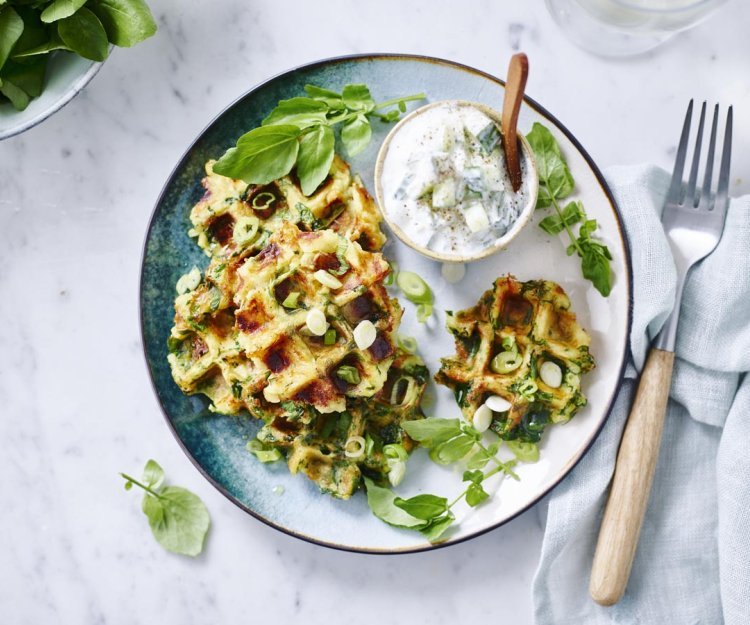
518,72
631,484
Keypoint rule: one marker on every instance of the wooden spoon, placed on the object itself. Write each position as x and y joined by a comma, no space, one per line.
518,72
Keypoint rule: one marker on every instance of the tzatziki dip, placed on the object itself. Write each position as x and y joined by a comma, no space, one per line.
444,183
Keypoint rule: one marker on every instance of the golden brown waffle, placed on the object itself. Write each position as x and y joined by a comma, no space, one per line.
341,203
235,340
314,444
533,318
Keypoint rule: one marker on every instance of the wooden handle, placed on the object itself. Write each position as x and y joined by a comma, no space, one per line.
518,71
631,484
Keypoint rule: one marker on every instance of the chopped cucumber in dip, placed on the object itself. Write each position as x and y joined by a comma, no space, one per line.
444,180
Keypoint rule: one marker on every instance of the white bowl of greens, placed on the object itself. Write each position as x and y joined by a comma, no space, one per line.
51,49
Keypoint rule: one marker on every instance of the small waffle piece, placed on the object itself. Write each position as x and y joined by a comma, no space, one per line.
341,203
522,325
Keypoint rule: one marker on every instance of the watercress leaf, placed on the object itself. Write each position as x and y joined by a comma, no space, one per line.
452,450
127,22
83,33
357,97
28,76
435,529
11,28
478,460
300,112
382,503
179,521
475,476
60,9
524,451
54,43
596,268
553,171
356,134
425,507
153,475
571,214
331,98
475,495
17,96
432,431
315,158
262,155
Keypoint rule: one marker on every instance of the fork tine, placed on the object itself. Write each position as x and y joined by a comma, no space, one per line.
690,194
676,186
722,192
706,191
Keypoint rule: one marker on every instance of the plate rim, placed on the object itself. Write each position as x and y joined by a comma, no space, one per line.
627,261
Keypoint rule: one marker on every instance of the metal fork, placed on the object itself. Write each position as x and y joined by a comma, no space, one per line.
693,220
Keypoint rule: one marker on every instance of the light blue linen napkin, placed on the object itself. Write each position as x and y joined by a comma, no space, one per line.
693,560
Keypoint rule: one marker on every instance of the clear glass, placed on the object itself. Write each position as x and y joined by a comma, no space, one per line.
626,27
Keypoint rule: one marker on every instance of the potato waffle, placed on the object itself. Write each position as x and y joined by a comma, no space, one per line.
533,320
315,444
341,204
239,340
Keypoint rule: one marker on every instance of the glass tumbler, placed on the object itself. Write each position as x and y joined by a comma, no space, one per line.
626,27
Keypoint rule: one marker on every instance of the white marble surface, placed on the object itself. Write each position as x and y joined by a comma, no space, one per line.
75,197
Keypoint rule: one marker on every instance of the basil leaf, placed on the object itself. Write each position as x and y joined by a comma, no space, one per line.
17,96
262,155
356,135
382,503
452,450
433,431
315,158
153,475
475,495
60,9
127,22
11,28
425,507
571,214
84,34
300,112
596,267
178,519
555,178
437,528
357,97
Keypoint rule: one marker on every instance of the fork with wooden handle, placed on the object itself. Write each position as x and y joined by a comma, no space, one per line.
693,221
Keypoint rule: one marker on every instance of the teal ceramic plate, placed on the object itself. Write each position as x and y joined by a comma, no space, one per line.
216,444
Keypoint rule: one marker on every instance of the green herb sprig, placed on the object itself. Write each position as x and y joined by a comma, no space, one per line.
32,30
556,183
178,519
299,131
449,441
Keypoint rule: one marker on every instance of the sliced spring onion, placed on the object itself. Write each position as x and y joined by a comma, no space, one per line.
326,279
396,472
482,418
348,373
424,312
505,362
407,343
391,277
189,281
369,445
527,388
525,452
329,338
316,322
291,301
551,374
395,451
509,344
497,403
263,200
453,272
278,490
263,453
245,230
365,334
341,256
354,447
415,289
404,383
